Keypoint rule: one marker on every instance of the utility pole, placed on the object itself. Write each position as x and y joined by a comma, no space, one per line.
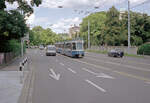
129,33
88,34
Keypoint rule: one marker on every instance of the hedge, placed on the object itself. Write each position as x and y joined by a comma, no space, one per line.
144,49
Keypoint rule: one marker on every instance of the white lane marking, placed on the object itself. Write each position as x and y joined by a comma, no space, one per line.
72,70
41,55
97,66
62,64
147,82
129,66
124,61
89,71
103,75
96,86
54,75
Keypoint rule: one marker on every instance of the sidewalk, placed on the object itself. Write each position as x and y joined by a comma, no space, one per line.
11,82
10,86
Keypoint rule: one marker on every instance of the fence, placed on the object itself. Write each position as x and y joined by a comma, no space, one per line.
132,50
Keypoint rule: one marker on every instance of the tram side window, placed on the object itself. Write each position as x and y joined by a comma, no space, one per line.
68,46
74,46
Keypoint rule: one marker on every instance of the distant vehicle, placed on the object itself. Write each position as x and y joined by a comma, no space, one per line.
116,53
50,50
72,48
41,47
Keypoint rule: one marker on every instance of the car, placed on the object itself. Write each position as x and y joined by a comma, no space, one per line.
41,47
116,53
51,50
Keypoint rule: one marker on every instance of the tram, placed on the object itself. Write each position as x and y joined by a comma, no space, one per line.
72,48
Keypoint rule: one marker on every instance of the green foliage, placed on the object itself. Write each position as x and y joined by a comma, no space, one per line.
12,26
38,36
23,5
107,29
97,27
14,46
144,49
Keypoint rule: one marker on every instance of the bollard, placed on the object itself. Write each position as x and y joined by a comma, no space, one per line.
22,63
20,68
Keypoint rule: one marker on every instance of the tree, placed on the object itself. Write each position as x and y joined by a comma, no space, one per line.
12,22
107,28
38,36
23,5
113,27
97,25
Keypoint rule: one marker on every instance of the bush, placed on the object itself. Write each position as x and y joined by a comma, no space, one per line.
15,47
144,49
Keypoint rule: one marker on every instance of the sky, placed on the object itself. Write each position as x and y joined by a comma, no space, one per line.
48,15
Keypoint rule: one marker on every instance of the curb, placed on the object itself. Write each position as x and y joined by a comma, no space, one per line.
26,93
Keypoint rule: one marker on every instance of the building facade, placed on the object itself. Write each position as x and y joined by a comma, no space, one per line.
74,31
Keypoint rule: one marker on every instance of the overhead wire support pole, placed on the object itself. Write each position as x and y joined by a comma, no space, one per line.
129,32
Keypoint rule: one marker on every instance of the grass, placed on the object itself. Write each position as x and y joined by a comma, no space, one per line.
105,52
133,55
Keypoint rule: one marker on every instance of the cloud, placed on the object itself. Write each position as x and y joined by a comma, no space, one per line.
11,6
85,3
30,19
64,24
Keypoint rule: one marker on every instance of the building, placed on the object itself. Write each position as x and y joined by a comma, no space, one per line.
122,12
74,31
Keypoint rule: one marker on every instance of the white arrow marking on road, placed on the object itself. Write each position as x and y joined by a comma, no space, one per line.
98,87
102,75
54,75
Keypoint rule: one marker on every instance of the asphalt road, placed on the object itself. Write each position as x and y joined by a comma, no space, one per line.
95,78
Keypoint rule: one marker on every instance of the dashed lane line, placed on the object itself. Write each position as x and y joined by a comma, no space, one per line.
62,64
97,66
132,76
128,66
95,85
72,70
125,61
121,73
89,71
147,82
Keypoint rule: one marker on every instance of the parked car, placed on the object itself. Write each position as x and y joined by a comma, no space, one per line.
51,50
41,47
116,53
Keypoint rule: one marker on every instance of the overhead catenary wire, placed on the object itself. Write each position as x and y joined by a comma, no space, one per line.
145,2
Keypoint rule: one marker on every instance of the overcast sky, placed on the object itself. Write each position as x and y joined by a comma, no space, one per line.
48,15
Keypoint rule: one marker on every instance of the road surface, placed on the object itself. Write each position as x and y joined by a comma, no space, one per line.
95,78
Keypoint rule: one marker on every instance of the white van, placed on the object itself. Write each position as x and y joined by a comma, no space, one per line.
51,50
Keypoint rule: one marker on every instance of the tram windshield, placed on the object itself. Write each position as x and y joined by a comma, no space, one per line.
79,46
